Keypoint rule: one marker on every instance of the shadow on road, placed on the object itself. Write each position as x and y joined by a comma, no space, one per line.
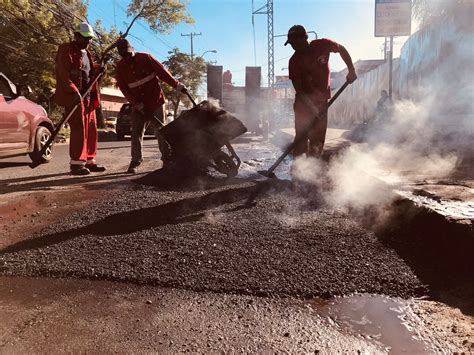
186,180
70,180
32,178
12,164
183,211
439,251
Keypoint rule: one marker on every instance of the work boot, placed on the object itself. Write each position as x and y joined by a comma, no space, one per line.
133,167
95,168
79,170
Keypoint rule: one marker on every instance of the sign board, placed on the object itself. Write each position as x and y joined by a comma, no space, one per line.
392,18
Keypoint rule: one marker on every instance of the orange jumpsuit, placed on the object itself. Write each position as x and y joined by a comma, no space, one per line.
71,78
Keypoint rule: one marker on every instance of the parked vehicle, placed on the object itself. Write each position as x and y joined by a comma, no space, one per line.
24,125
123,125
111,122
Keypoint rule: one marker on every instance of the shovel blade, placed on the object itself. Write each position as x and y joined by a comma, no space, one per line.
34,165
268,174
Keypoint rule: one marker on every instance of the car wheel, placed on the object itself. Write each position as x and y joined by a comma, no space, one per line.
42,136
120,136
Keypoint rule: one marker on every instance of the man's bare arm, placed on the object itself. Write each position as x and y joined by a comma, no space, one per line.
346,57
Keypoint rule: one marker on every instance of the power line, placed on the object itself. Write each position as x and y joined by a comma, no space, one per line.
140,23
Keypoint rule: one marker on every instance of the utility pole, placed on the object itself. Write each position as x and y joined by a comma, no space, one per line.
192,34
390,85
268,10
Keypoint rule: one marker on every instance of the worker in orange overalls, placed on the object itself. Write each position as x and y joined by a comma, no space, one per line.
138,77
75,71
310,75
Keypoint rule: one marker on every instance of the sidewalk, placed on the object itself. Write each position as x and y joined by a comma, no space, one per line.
451,197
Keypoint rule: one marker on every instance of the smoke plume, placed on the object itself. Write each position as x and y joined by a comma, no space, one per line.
401,146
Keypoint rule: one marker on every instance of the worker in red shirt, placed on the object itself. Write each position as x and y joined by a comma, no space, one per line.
75,70
138,77
310,74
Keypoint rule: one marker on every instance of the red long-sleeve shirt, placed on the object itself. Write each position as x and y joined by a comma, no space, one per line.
69,76
138,78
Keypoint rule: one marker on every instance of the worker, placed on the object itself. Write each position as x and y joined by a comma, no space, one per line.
138,77
310,75
75,71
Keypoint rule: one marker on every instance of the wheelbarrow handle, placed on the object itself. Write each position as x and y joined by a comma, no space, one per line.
190,97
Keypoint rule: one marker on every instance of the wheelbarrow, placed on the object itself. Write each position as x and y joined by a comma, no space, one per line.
197,138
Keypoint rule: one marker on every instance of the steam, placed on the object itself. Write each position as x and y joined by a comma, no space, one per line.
424,138
403,144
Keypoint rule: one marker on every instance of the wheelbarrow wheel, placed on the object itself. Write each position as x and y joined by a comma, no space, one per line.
225,165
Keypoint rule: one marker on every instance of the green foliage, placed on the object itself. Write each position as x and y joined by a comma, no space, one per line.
104,40
161,15
64,135
30,32
188,70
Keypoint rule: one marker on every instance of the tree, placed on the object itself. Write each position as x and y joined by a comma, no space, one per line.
161,15
105,39
188,70
30,32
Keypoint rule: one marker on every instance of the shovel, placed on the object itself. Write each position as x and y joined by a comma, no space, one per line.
269,173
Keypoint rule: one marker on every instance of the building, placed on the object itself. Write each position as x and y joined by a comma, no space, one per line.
361,67
111,100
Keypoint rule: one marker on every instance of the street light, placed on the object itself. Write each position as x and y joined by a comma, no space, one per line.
315,35
210,50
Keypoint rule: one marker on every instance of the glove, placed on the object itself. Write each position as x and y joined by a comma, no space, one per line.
140,108
180,88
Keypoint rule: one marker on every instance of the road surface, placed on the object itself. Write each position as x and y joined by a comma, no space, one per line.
185,263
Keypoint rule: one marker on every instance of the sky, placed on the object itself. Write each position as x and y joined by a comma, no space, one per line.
226,26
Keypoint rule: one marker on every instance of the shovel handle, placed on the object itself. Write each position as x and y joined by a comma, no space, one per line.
190,97
339,92
292,145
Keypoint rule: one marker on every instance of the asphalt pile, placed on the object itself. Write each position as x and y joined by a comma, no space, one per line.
203,237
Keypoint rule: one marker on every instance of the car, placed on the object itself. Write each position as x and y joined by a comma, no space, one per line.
111,122
123,124
24,125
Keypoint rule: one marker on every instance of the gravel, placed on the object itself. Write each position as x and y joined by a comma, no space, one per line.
201,236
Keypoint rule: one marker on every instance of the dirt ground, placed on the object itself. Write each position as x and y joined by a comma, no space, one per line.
78,315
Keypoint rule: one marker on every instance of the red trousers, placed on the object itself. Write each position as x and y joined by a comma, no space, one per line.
83,140
311,139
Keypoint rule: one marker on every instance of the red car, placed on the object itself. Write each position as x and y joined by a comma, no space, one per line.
24,125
